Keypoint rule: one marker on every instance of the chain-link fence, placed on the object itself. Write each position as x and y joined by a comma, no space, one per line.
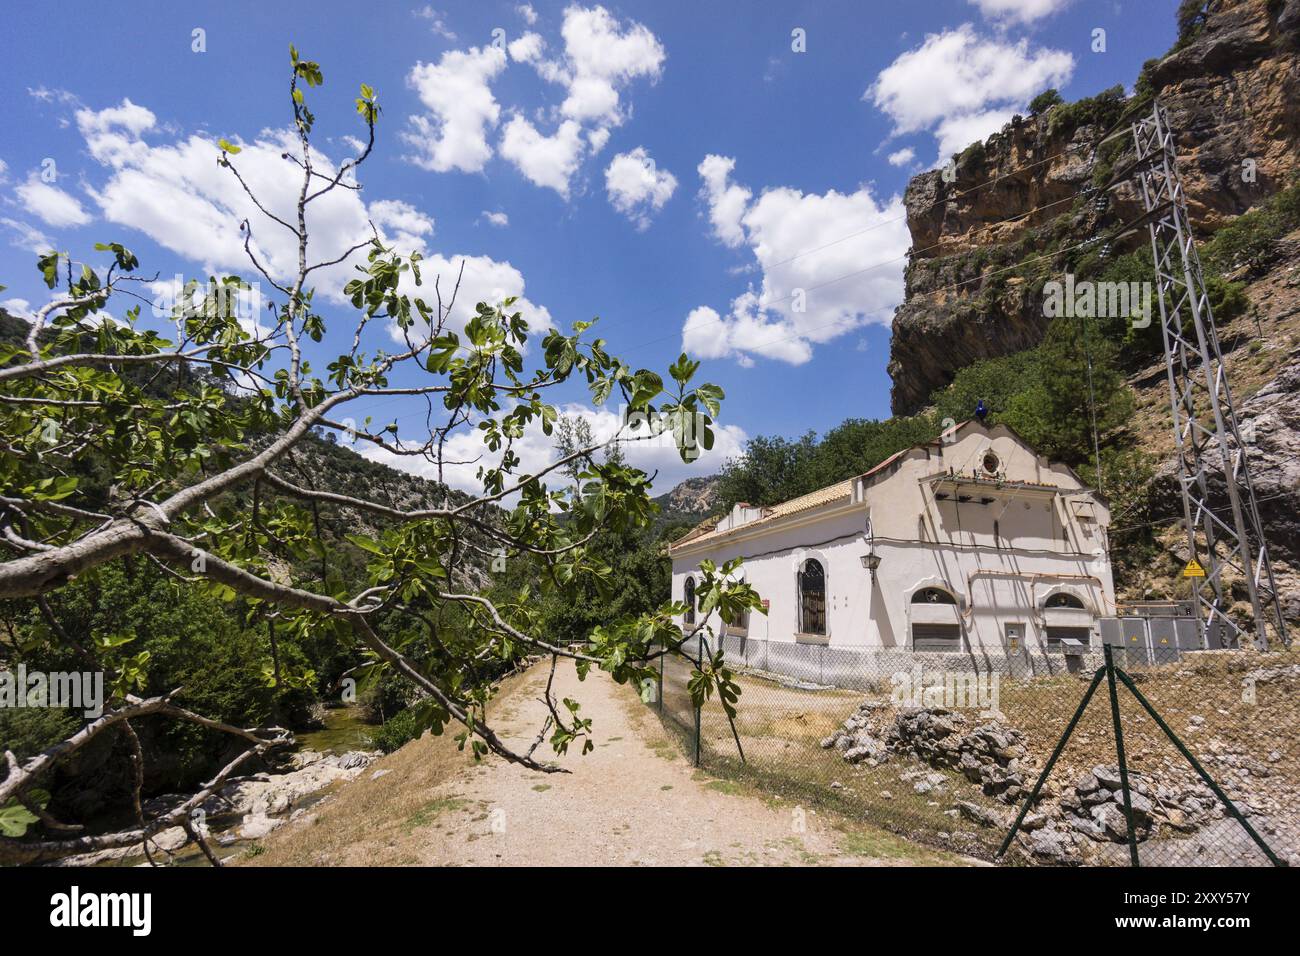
945,749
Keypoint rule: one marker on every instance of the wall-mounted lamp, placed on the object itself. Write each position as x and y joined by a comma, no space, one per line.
871,561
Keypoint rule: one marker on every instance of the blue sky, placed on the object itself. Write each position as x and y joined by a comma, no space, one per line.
675,168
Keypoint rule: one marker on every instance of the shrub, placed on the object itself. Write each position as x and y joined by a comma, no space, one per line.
995,381
1228,300
1191,17
972,155
192,641
1104,110
398,731
29,730
1044,101
1251,240
384,697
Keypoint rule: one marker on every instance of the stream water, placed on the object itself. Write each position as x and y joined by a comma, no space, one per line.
343,730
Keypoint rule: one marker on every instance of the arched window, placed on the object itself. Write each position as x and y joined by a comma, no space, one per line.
933,596
812,598
689,597
740,626
936,629
1064,623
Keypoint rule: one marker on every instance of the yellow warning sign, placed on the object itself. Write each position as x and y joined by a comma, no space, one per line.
1193,569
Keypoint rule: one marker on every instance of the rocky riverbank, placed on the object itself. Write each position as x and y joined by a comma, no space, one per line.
247,808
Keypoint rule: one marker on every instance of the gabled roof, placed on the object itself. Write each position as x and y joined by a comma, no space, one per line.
831,494
841,490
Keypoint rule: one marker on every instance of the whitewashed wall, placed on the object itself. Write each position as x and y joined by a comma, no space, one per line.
1040,547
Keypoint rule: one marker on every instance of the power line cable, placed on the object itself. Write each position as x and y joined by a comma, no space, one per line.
913,253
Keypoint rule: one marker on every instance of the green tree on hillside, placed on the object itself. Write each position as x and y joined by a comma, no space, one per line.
996,382
1044,101
771,470
1043,393
857,445
1078,386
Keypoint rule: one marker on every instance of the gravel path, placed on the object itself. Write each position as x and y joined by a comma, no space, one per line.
634,800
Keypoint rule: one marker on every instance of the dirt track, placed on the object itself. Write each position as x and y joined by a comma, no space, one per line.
634,800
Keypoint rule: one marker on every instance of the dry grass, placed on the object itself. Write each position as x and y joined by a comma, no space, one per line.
369,821
780,729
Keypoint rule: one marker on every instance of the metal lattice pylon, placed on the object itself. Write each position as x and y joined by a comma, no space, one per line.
1205,424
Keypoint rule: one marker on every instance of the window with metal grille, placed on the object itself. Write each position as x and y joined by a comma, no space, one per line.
933,596
1055,635
936,637
689,597
741,625
812,598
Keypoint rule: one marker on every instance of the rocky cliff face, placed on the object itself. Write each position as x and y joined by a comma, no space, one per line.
1271,419
980,255
1270,423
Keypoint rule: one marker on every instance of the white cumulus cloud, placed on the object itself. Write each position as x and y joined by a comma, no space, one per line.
51,204
959,83
602,55
548,161
176,194
527,48
19,307
726,200
1018,11
597,138
637,187
830,262
401,222
955,133
536,451
24,235
457,91
902,157
437,22
594,59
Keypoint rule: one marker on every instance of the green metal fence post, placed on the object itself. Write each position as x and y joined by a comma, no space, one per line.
699,663
1051,761
661,682
1119,752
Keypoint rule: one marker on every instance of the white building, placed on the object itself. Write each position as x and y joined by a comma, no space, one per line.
969,551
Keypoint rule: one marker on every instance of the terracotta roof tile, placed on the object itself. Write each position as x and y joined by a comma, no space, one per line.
814,499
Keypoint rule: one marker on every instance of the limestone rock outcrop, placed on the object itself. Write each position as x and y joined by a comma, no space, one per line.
979,255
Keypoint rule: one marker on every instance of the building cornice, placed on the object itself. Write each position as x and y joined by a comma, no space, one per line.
755,531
